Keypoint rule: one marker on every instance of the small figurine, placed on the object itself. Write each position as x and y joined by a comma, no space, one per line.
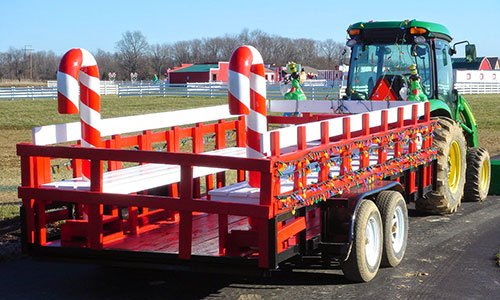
416,92
295,93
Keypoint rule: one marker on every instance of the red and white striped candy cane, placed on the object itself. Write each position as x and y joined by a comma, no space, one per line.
247,95
78,76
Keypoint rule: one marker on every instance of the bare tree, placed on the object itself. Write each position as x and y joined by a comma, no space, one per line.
265,44
3,71
133,54
107,64
160,58
45,64
182,52
244,36
306,51
285,51
213,49
229,44
132,50
332,52
196,51
15,63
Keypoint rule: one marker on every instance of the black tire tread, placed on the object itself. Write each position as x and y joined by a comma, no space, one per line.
475,159
441,201
355,268
386,203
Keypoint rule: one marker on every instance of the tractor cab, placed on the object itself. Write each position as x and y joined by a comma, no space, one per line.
385,55
381,71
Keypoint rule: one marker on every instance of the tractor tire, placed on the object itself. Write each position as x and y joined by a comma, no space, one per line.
477,181
363,261
450,175
394,215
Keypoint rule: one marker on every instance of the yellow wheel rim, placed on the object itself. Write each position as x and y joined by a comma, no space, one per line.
454,163
485,173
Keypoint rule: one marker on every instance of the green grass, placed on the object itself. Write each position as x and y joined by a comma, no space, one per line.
8,211
17,117
486,109
22,83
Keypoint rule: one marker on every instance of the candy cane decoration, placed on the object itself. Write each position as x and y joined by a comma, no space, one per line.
78,76
247,95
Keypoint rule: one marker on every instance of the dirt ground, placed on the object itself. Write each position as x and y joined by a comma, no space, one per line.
10,233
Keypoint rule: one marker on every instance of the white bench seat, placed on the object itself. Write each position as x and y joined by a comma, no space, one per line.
144,177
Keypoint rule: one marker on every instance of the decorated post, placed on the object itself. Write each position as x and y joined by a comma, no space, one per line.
247,95
78,90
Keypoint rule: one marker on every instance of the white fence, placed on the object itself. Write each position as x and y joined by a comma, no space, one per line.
314,91
28,92
107,87
478,88
317,90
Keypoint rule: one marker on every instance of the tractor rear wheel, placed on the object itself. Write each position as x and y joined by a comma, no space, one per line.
363,261
450,176
477,181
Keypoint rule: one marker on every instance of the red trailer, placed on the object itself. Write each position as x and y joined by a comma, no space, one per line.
168,206
172,190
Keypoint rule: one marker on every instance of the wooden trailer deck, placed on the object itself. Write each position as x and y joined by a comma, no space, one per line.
163,236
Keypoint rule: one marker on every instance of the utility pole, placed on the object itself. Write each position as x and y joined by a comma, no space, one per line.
28,48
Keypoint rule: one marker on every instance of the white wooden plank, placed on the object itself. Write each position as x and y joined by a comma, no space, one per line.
144,177
288,135
60,133
326,106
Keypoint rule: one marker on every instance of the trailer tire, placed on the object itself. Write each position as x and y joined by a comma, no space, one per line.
363,261
477,181
394,215
450,174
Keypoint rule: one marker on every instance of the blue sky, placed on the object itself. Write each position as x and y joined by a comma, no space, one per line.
61,25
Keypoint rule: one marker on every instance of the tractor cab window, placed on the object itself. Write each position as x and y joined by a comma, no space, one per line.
382,71
444,71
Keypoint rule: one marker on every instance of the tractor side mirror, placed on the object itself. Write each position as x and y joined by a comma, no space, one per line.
470,52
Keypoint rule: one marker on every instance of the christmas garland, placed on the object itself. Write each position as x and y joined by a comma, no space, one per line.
317,192
334,155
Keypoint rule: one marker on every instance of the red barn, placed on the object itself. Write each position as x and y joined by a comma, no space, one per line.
494,63
480,63
206,73
192,73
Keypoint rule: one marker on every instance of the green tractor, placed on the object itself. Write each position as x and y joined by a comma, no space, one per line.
411,60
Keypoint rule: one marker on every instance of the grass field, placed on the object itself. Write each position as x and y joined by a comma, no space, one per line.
19,116
22,83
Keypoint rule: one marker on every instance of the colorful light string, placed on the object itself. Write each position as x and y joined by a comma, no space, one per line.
336,154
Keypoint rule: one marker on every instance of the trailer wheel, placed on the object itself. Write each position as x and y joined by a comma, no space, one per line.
394,215
363,262
450,175
477,181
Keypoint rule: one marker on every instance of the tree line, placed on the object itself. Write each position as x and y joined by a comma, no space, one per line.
134,54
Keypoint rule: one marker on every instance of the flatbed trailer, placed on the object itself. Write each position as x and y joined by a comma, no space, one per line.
171,190
215,216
